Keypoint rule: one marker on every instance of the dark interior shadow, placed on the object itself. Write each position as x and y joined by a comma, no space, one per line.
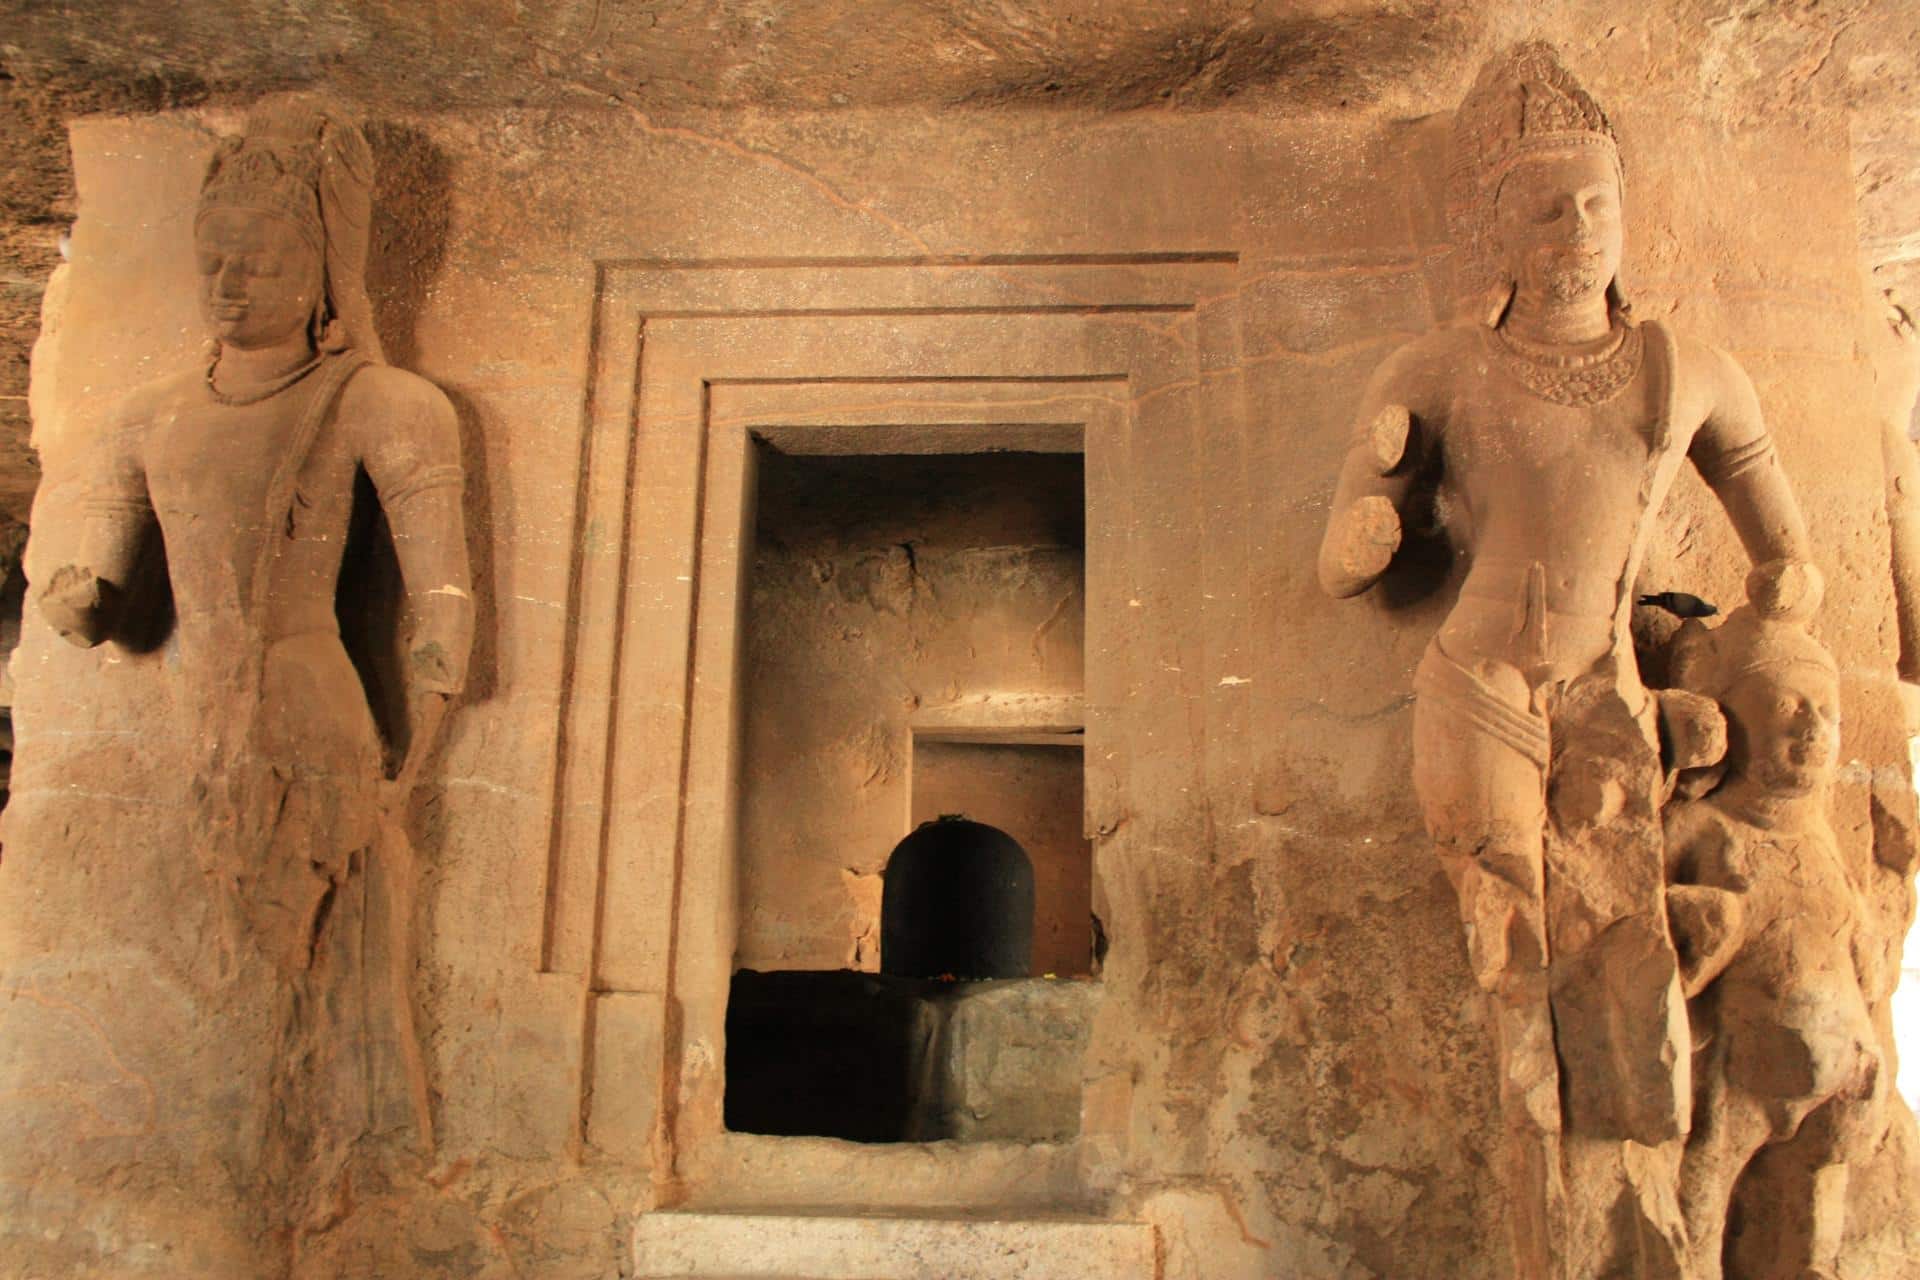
1425,561
146,615
370,603
409,241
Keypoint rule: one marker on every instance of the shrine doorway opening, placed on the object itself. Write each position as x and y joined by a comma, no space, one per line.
914,895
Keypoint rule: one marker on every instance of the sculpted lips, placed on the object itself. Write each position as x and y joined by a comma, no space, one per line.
1580,258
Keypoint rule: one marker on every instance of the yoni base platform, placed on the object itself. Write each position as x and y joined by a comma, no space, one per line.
763,1246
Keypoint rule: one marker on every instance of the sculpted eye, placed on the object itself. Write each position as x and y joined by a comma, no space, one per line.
209,264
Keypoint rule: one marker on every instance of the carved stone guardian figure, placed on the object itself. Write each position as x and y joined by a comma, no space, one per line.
1553,425
247,464
1776,957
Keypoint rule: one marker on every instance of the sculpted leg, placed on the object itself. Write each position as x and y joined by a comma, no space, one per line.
1789,1209
1483,794
1729,1126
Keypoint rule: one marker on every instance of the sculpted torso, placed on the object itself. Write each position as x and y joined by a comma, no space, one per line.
1547,502
206,468
1797,964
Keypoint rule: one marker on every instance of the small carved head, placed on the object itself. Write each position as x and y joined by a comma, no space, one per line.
1779,686
1536,187
1784,727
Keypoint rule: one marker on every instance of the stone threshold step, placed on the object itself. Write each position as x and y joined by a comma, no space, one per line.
681,1245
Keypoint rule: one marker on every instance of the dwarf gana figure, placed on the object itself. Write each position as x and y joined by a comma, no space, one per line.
1775,956
248,463
1553,426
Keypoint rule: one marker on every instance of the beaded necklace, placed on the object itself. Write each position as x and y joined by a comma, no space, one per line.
1584,379
267,390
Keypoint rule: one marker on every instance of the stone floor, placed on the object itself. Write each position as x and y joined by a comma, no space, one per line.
736,1246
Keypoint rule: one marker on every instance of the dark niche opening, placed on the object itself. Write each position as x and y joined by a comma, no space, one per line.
885,587
957,903
874,1058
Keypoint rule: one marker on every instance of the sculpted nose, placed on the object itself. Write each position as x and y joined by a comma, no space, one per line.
229,283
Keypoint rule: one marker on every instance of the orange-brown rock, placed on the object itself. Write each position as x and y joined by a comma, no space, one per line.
869,413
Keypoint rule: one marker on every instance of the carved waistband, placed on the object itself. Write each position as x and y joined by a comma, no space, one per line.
1439,679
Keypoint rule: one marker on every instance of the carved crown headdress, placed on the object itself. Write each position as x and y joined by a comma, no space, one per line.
299,163
1523,103
1768,633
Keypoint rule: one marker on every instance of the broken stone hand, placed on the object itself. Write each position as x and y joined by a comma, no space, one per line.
78,604
1360,545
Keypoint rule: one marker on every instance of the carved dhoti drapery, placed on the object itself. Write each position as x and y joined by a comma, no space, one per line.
1543,806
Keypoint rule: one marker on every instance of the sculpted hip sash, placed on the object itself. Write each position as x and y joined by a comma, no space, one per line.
1445,683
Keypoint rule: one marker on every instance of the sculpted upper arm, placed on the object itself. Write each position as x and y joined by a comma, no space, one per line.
406,432
1735,455
1732,434
117,470
1412,378
409,442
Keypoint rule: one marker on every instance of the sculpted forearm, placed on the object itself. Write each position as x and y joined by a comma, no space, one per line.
1736,456
82,601
430,538
1765,514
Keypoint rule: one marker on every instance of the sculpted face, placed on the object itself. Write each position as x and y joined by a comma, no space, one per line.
259,278
1785,727
1558,223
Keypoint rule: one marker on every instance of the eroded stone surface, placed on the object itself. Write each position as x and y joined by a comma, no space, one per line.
718,1245
1553,427
1286,1052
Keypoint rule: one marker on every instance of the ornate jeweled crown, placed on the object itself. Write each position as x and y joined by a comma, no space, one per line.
271,173
1523,103
1768,633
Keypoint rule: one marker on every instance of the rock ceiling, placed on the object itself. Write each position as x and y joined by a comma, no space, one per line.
1396,58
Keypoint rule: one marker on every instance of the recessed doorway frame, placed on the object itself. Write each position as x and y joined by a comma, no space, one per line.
631,919
757,1168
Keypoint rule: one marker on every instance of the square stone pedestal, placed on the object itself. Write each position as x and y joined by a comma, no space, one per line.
782,1246
873,1058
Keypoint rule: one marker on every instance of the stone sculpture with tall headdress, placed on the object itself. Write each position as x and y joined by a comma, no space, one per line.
248,466
1774,940
1553,426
